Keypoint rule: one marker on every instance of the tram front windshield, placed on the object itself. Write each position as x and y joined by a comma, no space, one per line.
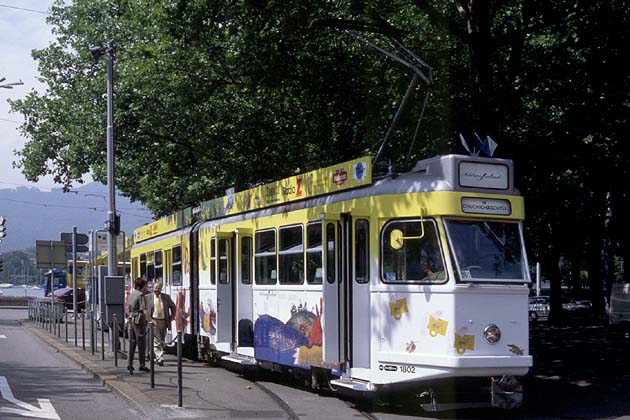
487,251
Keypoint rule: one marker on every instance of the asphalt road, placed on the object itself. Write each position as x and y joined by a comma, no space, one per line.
32,371
581,371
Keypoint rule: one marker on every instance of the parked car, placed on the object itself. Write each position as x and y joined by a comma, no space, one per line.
65,295
583,305
539,308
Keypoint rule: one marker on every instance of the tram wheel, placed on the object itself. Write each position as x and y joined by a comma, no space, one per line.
533,316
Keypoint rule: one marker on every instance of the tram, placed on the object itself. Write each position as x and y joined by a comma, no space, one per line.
363,282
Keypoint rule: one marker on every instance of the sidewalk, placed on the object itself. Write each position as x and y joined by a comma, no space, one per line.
208,392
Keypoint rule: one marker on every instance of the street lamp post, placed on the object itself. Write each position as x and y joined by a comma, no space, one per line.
113,224
9,85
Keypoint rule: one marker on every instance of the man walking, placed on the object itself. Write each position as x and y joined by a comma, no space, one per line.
138,315
162,310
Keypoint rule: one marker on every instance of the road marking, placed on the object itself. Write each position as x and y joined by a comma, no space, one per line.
46,410
3,336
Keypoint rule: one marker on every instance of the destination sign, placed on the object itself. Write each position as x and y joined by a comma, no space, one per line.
486,206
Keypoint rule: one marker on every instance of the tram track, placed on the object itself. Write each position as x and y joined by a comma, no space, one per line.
293,415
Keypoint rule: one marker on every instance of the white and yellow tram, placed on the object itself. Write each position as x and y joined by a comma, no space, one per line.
410,278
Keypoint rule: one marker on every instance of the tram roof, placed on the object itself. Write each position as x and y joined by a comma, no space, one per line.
347,181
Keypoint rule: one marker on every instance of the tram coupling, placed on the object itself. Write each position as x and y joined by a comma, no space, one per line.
507,392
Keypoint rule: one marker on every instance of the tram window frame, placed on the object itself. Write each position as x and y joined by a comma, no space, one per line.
362,252
269,255
439,276
159,265
224,271
247,246
288,265
314,253
176,255
331,254
143,266
134,267
213,261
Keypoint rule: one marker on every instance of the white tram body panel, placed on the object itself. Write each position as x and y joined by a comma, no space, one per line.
415,277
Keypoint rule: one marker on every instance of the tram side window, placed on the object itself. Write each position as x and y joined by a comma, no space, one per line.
213,261
246,260
224,275
362,250
330,253
143,265
159,266
265,257
314,253
291,254
417,257
150,268
177,265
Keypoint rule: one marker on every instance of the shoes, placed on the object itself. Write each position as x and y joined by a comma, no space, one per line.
130,369
144,369
160,362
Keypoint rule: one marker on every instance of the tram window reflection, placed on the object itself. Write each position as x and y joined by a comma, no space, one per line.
314,272
177,265
265,257
362,250
291,255
419,259
246,260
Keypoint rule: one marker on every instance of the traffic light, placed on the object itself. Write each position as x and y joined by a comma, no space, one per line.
3,228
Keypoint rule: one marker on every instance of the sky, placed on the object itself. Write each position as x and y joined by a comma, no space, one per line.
23,28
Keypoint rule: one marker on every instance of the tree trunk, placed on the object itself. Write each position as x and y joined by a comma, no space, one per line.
595,275
551,261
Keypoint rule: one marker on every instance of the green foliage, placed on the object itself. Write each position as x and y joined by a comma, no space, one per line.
210,95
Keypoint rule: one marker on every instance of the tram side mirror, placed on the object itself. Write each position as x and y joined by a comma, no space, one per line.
396,239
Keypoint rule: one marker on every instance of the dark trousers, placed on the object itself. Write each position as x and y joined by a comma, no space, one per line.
137,334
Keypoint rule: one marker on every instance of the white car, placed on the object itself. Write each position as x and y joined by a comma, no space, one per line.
539,307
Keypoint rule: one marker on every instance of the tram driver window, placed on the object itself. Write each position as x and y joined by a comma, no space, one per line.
417,257
265,257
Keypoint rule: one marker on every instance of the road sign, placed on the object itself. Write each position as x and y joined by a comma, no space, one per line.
81,241
43,254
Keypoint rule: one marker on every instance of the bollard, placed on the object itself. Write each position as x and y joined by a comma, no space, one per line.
83,329
151,355
59,326
115,339
102,337
92,337
65,320
180,337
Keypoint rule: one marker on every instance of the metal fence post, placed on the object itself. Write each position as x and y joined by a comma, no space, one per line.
65,316
115,339
151,355
83,329
180,337
92,337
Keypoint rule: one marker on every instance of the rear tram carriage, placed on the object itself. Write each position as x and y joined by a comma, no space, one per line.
361,283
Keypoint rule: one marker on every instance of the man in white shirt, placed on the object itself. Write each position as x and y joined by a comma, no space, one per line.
162,310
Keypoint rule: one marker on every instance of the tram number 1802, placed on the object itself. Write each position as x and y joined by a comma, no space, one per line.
407,369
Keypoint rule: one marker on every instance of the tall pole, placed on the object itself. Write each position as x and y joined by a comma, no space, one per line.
111,213
75,279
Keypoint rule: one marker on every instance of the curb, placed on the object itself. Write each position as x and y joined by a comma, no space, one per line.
108,378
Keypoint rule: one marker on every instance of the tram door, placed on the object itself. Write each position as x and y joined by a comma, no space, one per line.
244,310
225,293
337,302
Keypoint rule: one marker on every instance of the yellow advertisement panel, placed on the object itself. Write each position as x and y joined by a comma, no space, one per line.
343,176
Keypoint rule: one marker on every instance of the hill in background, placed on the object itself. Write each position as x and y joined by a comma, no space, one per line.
33,214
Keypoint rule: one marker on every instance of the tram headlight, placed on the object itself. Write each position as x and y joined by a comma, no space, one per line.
492,334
